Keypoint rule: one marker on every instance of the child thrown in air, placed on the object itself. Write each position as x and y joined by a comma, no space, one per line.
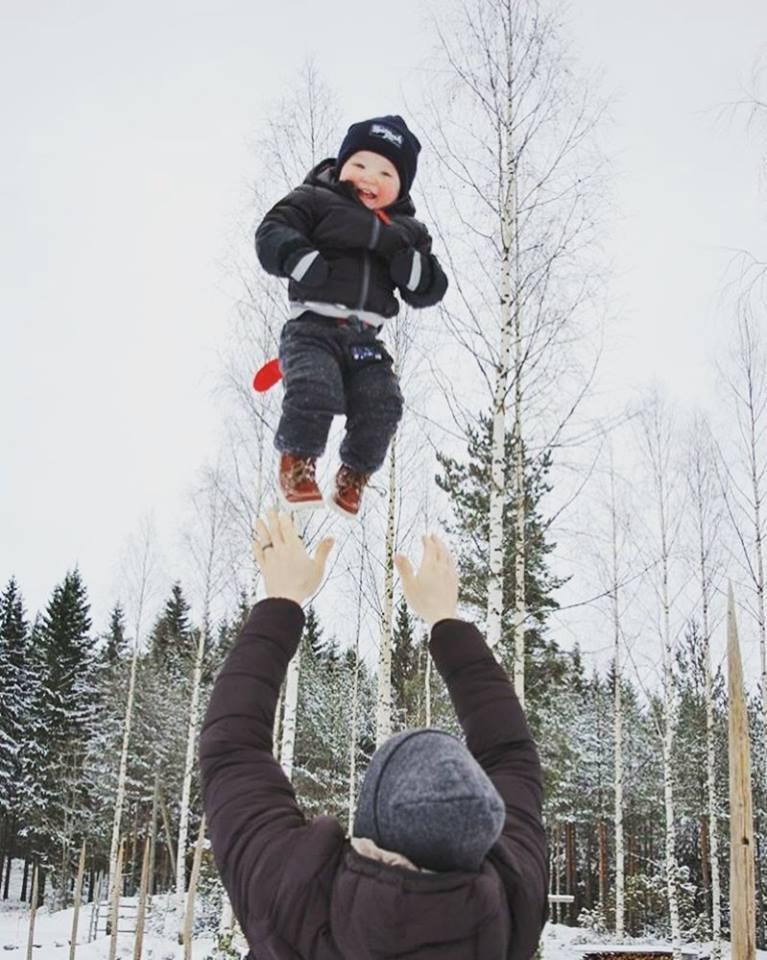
346,238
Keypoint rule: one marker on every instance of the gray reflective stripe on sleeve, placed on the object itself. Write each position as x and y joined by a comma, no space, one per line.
300,270
415,272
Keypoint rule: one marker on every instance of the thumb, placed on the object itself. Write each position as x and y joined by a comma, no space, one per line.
405,569
323,552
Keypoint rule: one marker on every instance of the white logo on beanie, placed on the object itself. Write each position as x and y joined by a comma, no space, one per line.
378,130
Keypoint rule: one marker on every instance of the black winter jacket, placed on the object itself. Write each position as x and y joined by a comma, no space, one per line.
326,215
298,887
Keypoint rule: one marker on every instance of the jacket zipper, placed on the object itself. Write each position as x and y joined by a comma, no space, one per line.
366,263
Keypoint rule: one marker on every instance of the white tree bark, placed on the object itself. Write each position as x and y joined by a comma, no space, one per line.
659,443
204,548
509,318
618,716
702,489
186,790
143,574
290,715
354,731
384,694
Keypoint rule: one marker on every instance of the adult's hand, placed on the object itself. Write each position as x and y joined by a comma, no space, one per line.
287,568
432,592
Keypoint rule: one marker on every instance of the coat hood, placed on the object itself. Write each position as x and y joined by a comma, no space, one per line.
379,910
324,175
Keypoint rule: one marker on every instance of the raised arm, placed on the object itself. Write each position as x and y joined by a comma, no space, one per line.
256,827
497,735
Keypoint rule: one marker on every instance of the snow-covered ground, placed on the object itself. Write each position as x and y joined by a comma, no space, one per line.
53,930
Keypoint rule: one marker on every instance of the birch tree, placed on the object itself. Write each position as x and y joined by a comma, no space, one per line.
204,549
139,574
704,495
515,223
658,443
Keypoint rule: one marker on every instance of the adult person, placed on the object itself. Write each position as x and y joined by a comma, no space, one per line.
447,859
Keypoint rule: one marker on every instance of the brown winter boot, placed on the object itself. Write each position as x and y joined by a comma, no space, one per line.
297,487
349,486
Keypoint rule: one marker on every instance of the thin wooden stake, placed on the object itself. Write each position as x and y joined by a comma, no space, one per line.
114,913
192,892
742,880
143,894
33,911
78,899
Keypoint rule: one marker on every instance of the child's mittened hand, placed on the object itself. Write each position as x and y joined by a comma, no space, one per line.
411,270
307,267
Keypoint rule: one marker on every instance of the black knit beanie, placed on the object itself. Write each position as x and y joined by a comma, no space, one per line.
391,138
426,797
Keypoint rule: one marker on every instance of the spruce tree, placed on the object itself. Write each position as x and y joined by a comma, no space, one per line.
404,669
116,641
468,483
14,704
171,642
64,712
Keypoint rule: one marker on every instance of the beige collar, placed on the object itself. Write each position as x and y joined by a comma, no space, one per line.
367,848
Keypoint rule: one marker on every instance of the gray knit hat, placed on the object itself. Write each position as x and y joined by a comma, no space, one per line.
426,797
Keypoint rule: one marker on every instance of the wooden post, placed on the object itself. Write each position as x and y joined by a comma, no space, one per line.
33,911
742,882
142,898
191,893
78,898
114,912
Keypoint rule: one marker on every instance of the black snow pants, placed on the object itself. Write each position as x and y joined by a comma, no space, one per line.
331,368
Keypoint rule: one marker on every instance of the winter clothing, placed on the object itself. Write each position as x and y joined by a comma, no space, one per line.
347,498
297,484
299,888
391,138
351,248
445,818
331,370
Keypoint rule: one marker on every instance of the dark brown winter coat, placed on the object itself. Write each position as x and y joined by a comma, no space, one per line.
298,888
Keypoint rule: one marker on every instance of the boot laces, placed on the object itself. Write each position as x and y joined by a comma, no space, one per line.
303,470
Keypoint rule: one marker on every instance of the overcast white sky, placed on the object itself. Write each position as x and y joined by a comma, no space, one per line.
124,169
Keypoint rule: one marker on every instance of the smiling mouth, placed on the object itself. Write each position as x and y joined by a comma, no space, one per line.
366,195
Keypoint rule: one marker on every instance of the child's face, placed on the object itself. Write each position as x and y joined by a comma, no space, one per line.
374,178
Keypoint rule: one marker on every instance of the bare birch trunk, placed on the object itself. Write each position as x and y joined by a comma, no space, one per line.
33,911
143,896
354,732
701,493
277,737
509,319
290,715
618,719
669,723
114,905
290,701
78,901
186,791
384,694
191,896
742,881
427,684
659,442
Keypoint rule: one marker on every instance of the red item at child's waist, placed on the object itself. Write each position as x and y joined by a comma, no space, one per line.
267,376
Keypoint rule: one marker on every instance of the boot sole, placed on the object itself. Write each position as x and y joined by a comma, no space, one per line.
337,508
297,505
